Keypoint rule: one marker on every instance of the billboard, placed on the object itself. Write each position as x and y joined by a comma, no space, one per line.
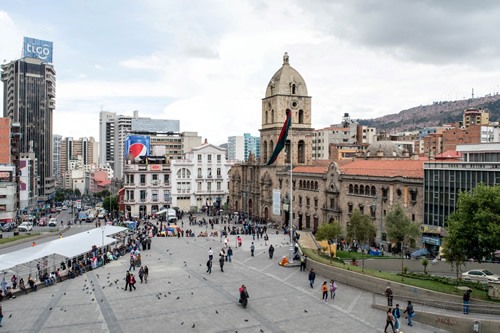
136,146
38,49
276,202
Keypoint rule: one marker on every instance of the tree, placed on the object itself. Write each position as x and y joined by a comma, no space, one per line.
425,263
77,192
110,203
361,228
329,231
474,227
400,229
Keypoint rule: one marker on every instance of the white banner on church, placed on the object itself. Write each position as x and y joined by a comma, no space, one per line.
276,202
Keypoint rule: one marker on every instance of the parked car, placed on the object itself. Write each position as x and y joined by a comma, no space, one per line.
64,207
25,226
480,275
8,226
53,222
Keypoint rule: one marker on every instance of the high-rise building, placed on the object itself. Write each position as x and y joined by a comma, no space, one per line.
56,158
83,149
235,148
29,99
251,146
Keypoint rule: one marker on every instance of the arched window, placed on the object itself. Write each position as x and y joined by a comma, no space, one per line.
199,173
301,116
264,149
265,118
287,151
272,116
367,190
355,189
300,184
301,152
218,172
293,88
374,191
209,172
316,185
362,190
308,184
351,188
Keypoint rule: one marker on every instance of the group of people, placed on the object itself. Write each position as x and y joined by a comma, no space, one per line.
394,314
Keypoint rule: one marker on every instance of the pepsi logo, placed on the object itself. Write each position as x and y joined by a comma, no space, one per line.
137,150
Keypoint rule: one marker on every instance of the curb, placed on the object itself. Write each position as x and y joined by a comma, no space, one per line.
30,239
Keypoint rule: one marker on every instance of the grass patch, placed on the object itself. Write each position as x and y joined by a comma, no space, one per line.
359,255
425,284
14,238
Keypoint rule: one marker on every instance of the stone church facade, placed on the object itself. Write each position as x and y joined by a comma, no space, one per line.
323,190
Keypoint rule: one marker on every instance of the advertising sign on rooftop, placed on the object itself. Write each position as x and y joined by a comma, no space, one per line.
137,146
38,49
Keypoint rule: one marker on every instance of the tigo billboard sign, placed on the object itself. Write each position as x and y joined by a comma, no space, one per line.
38,49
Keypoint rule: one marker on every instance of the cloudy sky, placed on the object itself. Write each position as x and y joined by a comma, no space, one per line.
208,62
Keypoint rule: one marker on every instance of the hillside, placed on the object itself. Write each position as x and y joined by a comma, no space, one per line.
434,115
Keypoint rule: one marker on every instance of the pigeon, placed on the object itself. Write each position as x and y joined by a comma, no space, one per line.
182,323
50,309
178,297
64,293
305,311
10,315
92,299
261,330
246,319
169,292
216,311
102,300
52,295
193,326
192,293
204,278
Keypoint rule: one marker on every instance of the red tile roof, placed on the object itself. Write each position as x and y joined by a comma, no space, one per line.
310,169
449,154
385,168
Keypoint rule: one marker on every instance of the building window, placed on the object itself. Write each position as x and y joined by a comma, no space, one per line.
218,172
300,200
154,195
301,116
308,201
199,157
315,203
209,158
166,196
142,195
351,189
166,179
293,88
131,179
199,186
219,186
301,152
209,172
199,173
143,179
219,158
332,203
154,176
209,186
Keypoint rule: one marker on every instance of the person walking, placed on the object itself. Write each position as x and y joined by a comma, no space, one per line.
303,260
132,282
127,280
146,274
271,251
324,290
333,289
396,313
210,254
252,248
388,294
238,239
229,254
221,263
13,279
466,301
312,277
244,296
141,274
209,266
226,241
409,313
389,321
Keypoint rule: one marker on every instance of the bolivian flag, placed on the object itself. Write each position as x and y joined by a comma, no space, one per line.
282,138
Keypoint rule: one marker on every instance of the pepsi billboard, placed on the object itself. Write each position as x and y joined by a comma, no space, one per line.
38,49
137,146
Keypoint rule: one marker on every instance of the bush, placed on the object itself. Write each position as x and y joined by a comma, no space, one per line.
405,270
446,280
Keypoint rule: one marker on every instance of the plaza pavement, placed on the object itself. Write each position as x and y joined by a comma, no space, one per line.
181,297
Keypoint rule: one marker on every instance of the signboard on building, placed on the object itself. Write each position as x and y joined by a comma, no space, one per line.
38,49
5,176
137,146
276,202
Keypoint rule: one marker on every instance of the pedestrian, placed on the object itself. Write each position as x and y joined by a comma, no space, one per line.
303,261
409,313
132,282
271,251
229,254
467,300
266,238
210,254
312,277
13,279
1,315
32,283
238,239
141,274
221,263
388,294
127,280
389,321
396,313
324,290
244,296
252,248
132,262
226,241
146,274
22,286
333,289
209,266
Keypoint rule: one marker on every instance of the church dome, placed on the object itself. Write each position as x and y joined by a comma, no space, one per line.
286,81
383,149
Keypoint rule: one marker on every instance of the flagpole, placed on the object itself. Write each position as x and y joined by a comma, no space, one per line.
290,212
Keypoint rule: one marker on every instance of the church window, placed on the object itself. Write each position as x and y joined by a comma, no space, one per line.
316,185
351,188
301,116
356,189
293,89
264,155
373,191
272,116
266,118
367,190
300,152
362,190
288,152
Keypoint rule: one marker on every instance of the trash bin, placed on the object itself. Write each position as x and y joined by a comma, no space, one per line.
476,327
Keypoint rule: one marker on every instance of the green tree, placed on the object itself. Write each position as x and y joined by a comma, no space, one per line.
425,263
77,192
360,227
400,229
329,231
110,203
474,227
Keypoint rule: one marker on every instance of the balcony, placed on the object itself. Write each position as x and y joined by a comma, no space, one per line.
129,201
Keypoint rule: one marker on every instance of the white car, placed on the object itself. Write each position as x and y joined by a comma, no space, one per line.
480,275
53,222
64,207
25,226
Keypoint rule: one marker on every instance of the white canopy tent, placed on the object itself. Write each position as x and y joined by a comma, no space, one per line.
62,248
